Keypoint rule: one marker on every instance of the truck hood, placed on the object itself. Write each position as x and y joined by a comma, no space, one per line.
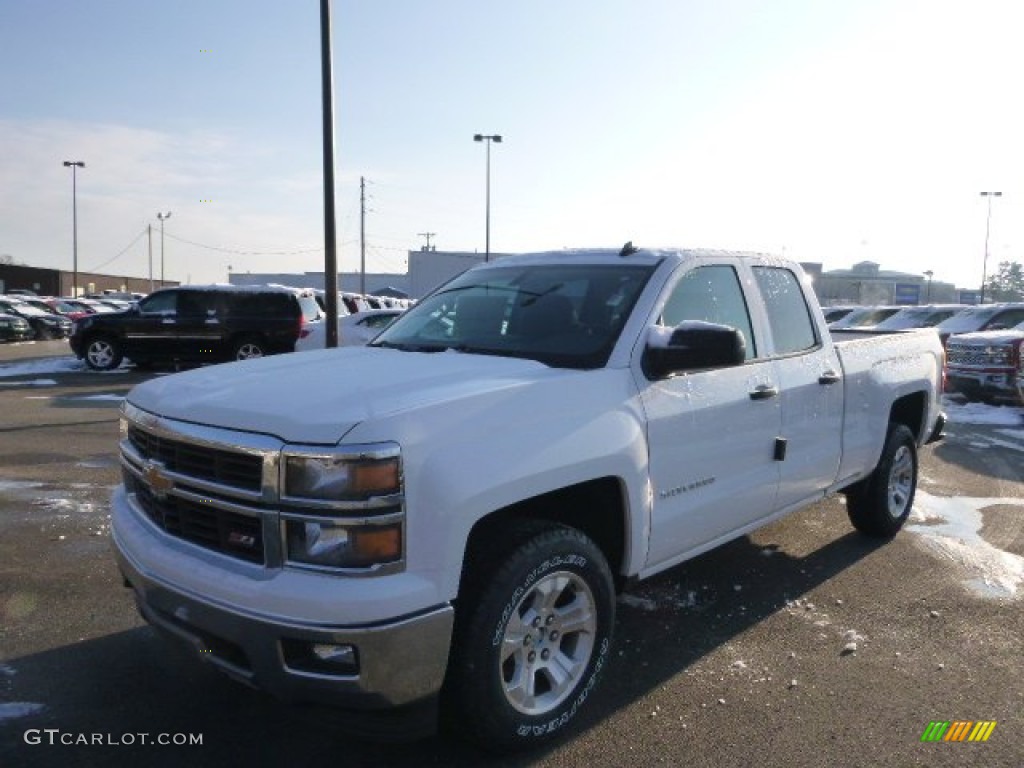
317,397
987,338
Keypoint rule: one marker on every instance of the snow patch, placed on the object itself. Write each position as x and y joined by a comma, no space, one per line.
951,528
980,413
30,383
638,602
12,709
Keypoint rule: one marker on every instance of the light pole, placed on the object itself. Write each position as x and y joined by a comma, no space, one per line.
163,217
74,165
988,221
928,296
487,237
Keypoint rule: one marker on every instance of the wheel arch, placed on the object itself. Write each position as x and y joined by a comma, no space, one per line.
597,508
910,410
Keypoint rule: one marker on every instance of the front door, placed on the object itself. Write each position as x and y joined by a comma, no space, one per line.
711,433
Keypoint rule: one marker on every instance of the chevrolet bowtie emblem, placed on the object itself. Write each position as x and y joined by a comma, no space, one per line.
159,483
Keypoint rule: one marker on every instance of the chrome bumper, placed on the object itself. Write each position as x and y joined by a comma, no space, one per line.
395,664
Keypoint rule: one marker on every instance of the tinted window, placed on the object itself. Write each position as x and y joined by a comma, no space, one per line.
197,303
1008,318
263,303
712,294
163,302
788,314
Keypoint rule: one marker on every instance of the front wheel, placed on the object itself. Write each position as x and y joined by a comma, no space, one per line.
103,353
533,631
880,504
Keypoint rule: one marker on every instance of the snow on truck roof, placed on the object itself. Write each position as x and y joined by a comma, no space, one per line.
650,256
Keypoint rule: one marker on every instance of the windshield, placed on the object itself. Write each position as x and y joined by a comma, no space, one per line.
968,320
561,315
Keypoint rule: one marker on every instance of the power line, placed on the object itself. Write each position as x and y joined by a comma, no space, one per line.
245,253
120,254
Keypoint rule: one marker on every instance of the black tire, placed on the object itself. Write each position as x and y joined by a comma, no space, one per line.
103,353
533,631
880,504
249,348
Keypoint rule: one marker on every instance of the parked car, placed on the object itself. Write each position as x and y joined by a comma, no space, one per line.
925,316
15,328
987,365
45,325
197,324
864,318
832,314
70,308
445,516
987,317
353,330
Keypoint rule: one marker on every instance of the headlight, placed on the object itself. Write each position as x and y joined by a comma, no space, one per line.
336,543
343,508
347,476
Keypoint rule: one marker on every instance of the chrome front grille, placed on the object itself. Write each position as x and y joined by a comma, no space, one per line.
201,523
200,485
207,463
974,356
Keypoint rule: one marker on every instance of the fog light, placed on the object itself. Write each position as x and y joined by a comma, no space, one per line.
312,658
335,654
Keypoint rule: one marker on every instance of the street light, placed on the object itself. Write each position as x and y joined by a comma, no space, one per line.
487,241
988,221
163,217
74,165
928,296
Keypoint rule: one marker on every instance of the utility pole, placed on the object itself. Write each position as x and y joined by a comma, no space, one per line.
427,235
331,286
149,237
362,235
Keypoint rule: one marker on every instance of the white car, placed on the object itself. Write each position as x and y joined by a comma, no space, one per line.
353,330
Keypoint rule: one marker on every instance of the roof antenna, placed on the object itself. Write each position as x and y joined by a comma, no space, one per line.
628,249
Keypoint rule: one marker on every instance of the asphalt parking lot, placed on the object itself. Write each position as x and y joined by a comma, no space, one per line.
801,645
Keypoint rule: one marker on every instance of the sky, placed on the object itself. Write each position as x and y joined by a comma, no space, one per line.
826,132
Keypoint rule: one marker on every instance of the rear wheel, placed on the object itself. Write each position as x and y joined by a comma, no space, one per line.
533,631
249,348
103,353
880,504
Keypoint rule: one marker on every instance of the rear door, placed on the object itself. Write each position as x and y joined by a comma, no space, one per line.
200,330
810,387
711,432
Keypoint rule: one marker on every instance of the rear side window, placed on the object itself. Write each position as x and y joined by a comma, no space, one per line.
788,314
256,304
197,303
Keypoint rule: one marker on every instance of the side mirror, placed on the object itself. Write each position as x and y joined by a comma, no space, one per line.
692,345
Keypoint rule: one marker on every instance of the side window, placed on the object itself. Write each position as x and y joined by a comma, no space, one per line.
197,303
163,303
712,294
788,313
1008,319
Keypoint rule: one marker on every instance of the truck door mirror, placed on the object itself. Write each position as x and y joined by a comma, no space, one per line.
690,346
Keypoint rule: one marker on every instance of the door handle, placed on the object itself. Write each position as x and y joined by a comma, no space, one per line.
828,377
764,392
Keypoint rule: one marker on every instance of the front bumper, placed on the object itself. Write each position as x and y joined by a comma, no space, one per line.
398,663
993,385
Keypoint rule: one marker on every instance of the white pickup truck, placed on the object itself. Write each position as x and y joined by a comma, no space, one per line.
446,516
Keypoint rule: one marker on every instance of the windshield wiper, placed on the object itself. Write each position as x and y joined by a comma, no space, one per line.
408,347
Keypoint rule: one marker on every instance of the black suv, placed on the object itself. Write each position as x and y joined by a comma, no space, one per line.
197,324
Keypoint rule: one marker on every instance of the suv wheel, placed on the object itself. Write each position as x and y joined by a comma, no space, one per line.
248,348
103,353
